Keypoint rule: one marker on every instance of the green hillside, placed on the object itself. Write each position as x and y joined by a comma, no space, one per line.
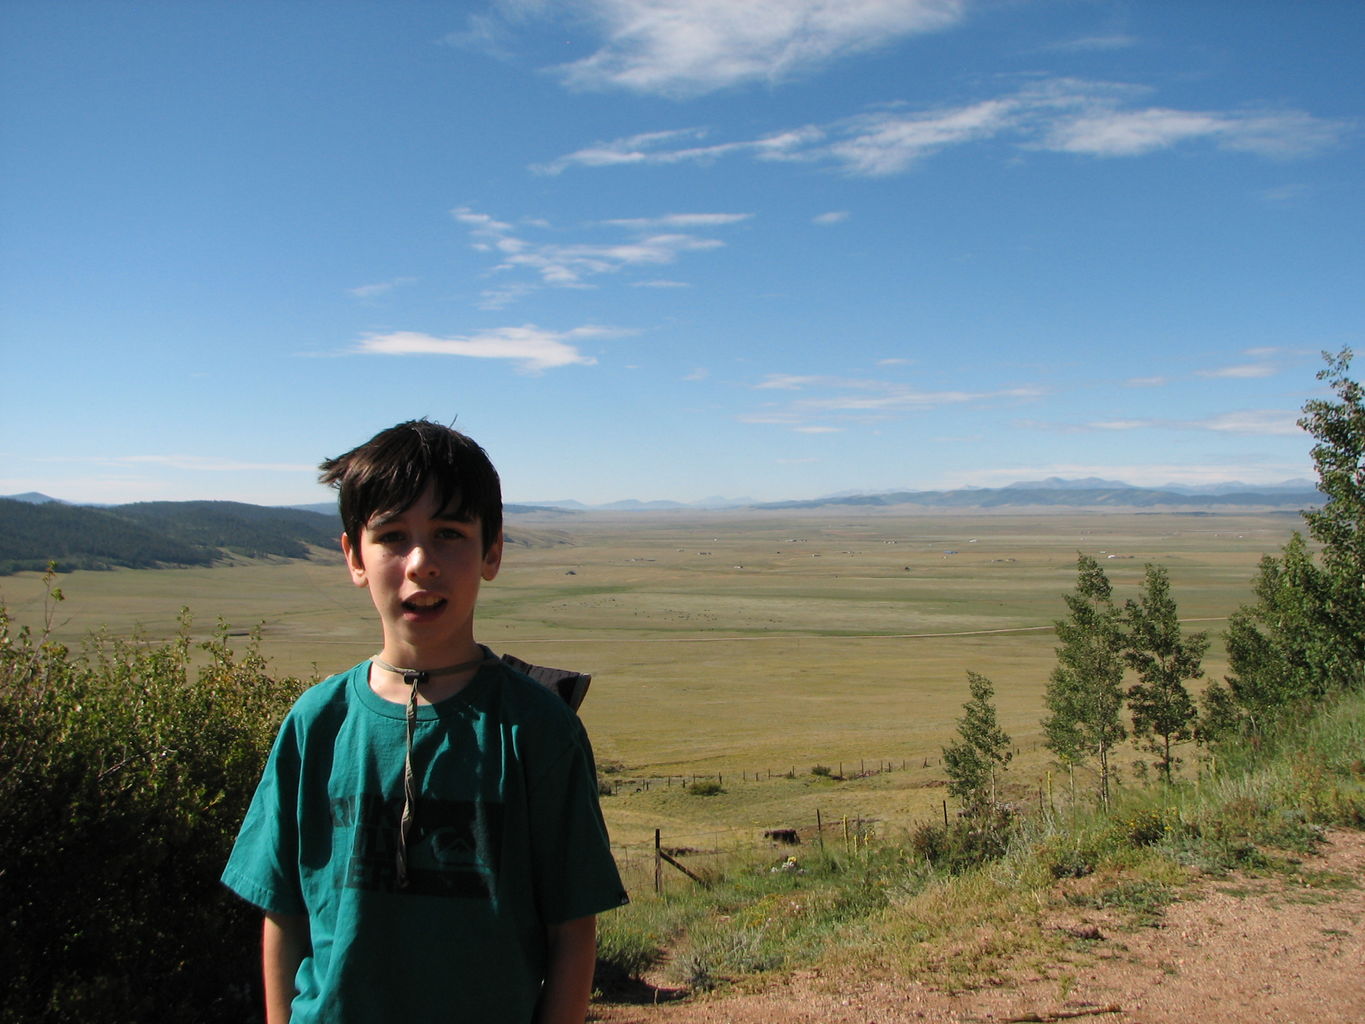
149,534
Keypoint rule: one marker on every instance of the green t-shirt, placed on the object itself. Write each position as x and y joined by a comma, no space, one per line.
509,838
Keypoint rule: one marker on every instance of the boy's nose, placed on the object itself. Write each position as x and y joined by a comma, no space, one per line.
420,563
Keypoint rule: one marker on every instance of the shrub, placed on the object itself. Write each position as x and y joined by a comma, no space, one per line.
966,843
123,780
705,787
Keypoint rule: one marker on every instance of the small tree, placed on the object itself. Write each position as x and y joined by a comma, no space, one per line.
1162,709
982,749
1084,694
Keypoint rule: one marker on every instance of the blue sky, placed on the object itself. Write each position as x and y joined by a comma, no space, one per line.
673,249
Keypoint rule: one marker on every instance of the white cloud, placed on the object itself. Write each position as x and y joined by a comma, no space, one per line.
785,382
573,265
203,464
680,220
692,47
1245,371
1284,194
371,291
1062,115
658,148
860,399
1146,382
1129,133
881,144
1121,424
1089,44
1263,422
1259,423
529,346
833,217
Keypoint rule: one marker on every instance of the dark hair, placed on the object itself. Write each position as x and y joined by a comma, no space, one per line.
389,472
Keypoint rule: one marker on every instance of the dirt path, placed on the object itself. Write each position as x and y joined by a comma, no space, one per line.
1232,951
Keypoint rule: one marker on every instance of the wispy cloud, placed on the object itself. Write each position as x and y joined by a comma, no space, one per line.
1061,115
1242,371
191,463
649,242
679,221
1254,422
371,291
1146,382
825,220
1267,422
820,398
665,148
531,348
691,47
1093,44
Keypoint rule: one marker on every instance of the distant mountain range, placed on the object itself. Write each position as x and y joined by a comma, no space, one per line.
1054,492
36,529
1092,493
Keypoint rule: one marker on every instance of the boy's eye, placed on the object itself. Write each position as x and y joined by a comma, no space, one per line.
388,537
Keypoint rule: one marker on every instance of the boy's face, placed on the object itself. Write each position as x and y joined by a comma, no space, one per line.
423,568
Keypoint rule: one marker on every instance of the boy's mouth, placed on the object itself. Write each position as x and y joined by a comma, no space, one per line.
423,603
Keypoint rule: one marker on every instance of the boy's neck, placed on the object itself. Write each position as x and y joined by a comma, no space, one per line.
437,677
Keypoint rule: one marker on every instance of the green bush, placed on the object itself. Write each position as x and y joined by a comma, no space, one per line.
123,779
968,842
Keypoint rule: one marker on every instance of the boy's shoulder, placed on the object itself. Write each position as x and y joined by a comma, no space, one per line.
327,698
521,695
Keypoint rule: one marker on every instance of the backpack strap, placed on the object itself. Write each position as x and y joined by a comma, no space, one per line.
571,686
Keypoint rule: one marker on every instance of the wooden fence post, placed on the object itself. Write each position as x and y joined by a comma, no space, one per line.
658,864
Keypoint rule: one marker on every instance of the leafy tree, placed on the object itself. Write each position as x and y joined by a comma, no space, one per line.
1162,709
1277,647
982,749
1338,427
1084,694
1304,638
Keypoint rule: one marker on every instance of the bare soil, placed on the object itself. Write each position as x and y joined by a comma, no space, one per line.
1284,949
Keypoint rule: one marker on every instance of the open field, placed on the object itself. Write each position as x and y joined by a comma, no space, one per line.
744,645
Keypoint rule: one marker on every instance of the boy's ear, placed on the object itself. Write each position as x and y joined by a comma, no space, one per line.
492,559
353,561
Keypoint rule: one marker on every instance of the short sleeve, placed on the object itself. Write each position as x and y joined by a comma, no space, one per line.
576,874
263,866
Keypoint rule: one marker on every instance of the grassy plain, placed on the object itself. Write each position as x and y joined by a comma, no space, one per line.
747,646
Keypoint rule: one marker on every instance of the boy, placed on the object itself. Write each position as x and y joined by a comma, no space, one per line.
426,841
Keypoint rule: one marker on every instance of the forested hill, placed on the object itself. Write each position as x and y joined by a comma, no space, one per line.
159,533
